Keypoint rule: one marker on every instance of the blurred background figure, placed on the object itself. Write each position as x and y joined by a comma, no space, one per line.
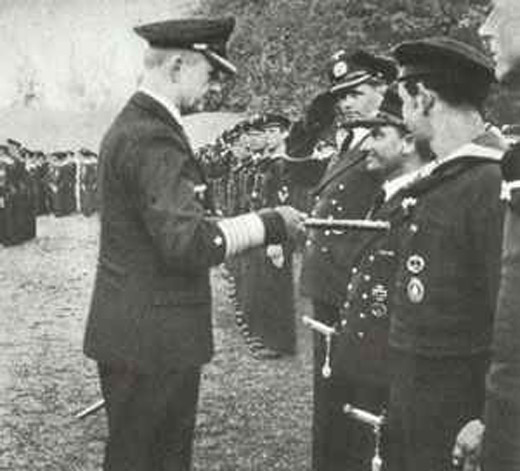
500,450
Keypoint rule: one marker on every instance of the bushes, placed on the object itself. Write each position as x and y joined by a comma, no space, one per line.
282,46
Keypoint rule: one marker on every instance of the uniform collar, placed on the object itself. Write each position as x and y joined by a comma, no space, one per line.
360,134
490,144
391,187
166,102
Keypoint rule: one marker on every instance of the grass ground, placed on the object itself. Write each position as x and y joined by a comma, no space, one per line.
253,415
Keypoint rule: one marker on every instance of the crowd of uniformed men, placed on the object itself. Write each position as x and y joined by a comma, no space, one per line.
401,140
412,269
33,183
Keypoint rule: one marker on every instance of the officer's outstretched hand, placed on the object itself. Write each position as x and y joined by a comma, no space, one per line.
511,175
293,219
321,112
468,445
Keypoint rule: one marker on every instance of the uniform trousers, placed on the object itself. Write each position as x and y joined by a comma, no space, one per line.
431,399
339,442
151,418
501,449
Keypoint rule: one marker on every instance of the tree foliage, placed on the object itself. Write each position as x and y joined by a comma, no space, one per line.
282,46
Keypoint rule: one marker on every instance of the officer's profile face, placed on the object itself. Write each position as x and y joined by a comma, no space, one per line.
196,79
386,148
360,102
501,32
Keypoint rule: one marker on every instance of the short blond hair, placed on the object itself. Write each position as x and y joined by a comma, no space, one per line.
156,57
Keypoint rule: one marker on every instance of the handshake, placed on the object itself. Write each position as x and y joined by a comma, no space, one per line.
294,221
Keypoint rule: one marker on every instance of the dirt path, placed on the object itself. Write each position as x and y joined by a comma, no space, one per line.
252,415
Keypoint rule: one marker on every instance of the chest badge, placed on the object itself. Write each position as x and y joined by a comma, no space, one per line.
415,290
378,310
415,264
379,293
283,194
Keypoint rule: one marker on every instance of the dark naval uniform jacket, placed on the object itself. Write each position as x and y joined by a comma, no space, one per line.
346,191
151,303
443,304
449,263
360,351
359,354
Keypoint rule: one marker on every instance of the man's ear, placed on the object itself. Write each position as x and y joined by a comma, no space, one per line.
174,67
426,99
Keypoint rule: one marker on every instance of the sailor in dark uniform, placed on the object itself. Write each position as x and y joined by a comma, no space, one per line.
263,276
343,188
359,354
449,255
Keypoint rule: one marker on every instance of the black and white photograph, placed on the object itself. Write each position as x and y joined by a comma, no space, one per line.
260,235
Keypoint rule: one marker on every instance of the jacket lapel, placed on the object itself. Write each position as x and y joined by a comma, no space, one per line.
389,211
146,102
350,158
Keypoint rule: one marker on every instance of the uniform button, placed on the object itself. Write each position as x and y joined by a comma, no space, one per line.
371,258
344,323
349,286
346,305
218,241
314,212
333,202
354,270
340,208
361,334
327,232
363,315
364,296
366,277
414,228
316,198
324,250
308,243
341,187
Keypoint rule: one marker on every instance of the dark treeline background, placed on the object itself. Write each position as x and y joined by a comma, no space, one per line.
282,46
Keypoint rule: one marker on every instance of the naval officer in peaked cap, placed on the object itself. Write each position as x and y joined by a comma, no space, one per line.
342,188
149,325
